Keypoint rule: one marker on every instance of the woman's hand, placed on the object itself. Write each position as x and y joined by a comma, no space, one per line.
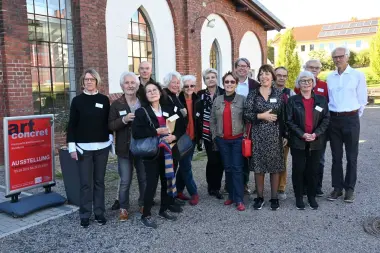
74,155
162,130
284,142
170,138
268,116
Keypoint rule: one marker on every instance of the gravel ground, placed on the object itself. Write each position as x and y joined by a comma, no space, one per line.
212,227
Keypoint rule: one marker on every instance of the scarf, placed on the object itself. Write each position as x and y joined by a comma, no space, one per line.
207,106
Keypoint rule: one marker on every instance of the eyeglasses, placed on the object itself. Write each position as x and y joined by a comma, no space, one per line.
309,81
151,92
189,86
230,81
242,66
90,80
336,57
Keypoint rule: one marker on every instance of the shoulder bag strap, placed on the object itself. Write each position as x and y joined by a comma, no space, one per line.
150,121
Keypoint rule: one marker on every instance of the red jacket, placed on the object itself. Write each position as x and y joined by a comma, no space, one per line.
319,89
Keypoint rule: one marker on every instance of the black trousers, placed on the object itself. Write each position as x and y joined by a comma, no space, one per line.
155,169
305,166
214,168
344,130
92,170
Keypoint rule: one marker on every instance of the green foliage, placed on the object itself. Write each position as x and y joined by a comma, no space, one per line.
324,57
352,59
362,59
371,79
271,54
288,57
375,54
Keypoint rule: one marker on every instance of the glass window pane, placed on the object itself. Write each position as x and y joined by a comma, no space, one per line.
141,18
61,101
150,50
40,7
136,49
45,79
56,55
55,30
47,102
53,8
65,9
29,6
135,31
142,32
143,49
129,42
57,79
136,63
69,79
67,29
31,27
34,72
148,35
36,102
42,31
130,64
43,54
135,17
33,54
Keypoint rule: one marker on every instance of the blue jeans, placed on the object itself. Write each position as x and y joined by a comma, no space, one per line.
233,161
185,174
125,167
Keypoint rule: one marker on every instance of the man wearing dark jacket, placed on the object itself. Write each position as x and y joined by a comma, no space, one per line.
145,71
246,84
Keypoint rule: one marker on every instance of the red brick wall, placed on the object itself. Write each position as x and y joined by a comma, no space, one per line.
16,85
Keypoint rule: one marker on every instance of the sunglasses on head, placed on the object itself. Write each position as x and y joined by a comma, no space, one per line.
230,81
189,86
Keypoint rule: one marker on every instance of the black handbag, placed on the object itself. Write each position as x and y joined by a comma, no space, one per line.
184,145
146,147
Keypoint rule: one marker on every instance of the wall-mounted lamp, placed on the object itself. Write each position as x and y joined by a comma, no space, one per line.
210,23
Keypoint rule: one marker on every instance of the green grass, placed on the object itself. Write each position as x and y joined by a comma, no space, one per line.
199,156
58,175
373,81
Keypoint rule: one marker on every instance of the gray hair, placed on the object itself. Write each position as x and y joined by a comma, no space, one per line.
244,60
312,61
305,74
209,71
125,74
169,77
188,78
346,51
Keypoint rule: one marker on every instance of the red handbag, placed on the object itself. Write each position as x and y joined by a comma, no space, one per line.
247,143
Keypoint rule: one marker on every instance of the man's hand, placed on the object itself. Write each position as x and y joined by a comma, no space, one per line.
129,117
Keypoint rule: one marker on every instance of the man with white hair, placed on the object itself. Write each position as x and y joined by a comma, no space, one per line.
347,90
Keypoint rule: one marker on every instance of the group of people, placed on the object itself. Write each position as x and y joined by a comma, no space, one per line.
219,118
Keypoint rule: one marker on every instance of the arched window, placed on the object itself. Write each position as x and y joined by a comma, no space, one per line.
214,57
140,42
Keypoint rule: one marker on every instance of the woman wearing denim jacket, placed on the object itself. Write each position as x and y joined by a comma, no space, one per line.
227,128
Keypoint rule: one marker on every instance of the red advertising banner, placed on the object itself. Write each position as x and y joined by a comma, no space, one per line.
29,151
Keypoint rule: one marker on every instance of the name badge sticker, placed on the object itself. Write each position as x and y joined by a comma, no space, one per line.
173,118
99,105
321,90
175,108
122,113
318,108
197,114
165,114
273,100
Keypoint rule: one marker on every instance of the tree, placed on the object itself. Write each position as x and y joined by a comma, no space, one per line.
375,54
270,51
288,57
352,58
362,59
324,58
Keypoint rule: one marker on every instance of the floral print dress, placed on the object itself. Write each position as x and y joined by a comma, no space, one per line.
267,148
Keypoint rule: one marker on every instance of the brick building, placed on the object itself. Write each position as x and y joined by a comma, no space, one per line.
46,44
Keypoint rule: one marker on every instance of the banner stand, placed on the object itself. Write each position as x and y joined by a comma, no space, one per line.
29,163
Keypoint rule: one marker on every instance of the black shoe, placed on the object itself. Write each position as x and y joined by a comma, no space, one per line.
148,222
319,193
167,216
100,220
218,195
211,192
334,195
258,203
349,196
84,223
299,203
175,209
312,203
274,204
116,205
305,191
179,202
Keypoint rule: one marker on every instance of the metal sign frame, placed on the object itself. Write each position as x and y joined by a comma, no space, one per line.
8,191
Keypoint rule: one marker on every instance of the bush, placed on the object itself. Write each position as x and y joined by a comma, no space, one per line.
362,59
370,77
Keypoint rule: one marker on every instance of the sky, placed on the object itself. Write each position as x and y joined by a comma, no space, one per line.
310,12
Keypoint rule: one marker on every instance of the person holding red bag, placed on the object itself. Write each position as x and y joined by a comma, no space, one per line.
227,128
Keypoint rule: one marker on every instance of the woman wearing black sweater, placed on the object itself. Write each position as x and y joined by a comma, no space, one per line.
158,113
89,140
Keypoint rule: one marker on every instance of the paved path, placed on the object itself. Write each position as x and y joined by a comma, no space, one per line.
212,227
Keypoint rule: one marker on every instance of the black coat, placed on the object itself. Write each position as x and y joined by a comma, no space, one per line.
194,98
176,105
295,120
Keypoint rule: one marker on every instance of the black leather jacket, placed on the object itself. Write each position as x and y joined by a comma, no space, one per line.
295,120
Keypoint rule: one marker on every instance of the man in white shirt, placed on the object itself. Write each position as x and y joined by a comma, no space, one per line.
347,100
246,84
